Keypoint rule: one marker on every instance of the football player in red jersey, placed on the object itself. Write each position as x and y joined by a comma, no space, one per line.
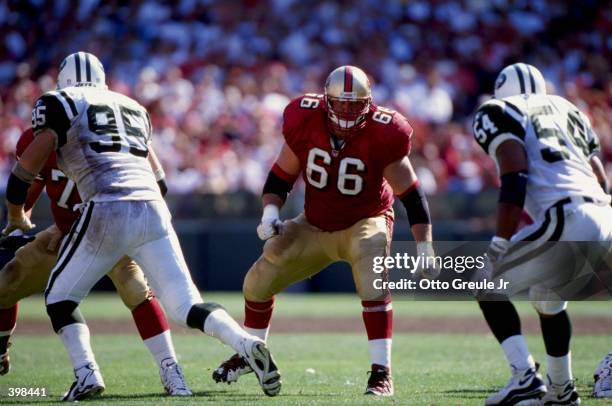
353,156
27,273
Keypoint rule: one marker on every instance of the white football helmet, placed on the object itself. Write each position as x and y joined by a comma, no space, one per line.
81,69
348,97
519,78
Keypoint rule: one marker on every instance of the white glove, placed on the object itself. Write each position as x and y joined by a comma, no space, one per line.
426,249
497,249
22,223
270,224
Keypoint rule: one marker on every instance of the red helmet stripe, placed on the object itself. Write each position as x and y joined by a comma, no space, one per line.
348,79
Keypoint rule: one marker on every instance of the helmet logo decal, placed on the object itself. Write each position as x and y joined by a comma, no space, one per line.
500,81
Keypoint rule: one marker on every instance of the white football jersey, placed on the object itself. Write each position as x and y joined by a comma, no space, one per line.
559,141
102,142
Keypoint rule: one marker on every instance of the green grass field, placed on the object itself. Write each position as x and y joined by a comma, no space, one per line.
432,369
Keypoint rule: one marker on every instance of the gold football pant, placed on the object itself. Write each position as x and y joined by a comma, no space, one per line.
27,273
302,250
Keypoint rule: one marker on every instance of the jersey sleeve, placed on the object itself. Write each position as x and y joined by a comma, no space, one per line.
294,115
399,140
592,139
498,121
53,111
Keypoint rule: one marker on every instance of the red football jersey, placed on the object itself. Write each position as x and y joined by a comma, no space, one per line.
344,184
61,191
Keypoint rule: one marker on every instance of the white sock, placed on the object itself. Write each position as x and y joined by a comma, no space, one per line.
258,332
517,353
559,369
161,347
221,325
76,340
380,351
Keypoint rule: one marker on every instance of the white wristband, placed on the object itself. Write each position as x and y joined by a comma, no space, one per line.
159,174
425,248
270,212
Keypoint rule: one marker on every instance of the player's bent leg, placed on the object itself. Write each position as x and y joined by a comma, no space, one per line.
294,255
69,323
26,273
151,323
525,384
368,239
163,263
96,243
556,332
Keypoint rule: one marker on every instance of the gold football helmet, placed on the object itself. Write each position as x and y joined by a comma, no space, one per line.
348,97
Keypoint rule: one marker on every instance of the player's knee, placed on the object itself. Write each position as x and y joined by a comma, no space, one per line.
549,307
64,313
255,286
133,293
130,283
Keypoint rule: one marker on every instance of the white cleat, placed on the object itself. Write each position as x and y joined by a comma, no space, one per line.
603,378
564,394
87,384
173,379
257,355
525,388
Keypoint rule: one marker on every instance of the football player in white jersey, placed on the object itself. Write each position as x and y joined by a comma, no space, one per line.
545,150
102,139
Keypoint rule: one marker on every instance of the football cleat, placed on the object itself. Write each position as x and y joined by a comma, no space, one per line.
603,378
5,362
257,355
564,394
380,382
173,379
526,387
231,370
87,384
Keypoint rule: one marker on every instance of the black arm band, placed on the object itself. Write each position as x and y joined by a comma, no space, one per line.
513,188
16,190
163,187
416,206
604,186
275,185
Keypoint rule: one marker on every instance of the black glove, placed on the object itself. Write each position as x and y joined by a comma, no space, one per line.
14,242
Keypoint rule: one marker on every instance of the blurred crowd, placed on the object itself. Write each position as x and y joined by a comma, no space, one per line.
216,75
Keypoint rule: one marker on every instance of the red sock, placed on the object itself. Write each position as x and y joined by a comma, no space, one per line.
257,315
8,320
150,318
378,318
